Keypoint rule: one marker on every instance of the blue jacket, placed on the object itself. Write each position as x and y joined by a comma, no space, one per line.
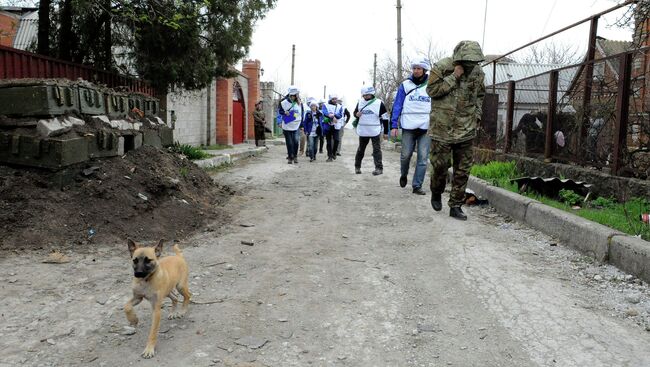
398,103
312,122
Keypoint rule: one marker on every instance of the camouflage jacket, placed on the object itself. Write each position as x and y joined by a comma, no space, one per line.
456,105
259,118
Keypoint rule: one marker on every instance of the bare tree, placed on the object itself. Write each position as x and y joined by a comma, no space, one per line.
552,53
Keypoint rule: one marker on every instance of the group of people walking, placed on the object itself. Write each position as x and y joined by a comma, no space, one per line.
437,108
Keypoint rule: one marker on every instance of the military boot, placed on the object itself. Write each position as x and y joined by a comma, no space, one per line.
436,201
457,212
377,172
357,171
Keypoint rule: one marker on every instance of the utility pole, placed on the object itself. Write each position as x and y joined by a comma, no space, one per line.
399,38
484,22
374,73
324,91
293,61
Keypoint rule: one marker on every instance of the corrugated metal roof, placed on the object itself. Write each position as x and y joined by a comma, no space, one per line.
27,31
535,90
515,71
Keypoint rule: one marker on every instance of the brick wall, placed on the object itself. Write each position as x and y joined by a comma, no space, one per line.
8,28
251,68
224,111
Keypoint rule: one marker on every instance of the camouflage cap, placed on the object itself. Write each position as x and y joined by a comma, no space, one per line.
468,51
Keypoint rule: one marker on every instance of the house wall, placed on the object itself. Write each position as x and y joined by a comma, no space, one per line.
8,28
252,70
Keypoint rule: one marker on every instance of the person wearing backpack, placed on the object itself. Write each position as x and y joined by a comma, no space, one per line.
411,112
370,113
290,110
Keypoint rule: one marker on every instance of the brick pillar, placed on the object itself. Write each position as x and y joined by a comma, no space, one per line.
251,68
223,113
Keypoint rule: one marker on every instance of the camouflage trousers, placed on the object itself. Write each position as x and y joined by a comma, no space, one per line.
442,156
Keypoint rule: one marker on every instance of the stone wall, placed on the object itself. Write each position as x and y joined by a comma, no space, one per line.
622,188
191,109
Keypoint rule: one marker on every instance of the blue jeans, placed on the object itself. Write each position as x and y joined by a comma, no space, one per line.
409,139
292,139
312,146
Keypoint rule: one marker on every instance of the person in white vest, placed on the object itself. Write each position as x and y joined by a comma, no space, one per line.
345,119
370,113
290,110
411,112
321,137
333,113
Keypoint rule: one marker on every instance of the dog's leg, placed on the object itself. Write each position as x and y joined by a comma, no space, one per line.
185,291
173,313
128,310
153,333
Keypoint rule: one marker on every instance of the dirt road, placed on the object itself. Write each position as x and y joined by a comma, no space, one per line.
345,270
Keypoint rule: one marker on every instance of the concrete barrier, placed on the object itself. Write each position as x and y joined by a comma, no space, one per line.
513,204
584,235
228,156
631,255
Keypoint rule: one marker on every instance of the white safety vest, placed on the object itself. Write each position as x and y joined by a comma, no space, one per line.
369,124
291,122
336,109
416,107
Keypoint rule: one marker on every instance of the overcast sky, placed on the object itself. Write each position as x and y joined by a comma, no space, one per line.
336,39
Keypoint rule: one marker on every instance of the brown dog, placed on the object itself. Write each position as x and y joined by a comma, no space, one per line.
154,279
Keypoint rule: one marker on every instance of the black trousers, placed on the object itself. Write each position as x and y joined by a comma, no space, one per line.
332,137
376,151
321,140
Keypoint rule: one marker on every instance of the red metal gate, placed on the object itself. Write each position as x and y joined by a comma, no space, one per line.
237,122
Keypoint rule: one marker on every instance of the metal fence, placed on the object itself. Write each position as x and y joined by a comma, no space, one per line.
593,114
18,64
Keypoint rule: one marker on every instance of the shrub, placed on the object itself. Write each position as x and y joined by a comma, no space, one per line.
192,153
569,197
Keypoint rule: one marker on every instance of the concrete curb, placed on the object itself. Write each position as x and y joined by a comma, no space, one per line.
600,242
228,158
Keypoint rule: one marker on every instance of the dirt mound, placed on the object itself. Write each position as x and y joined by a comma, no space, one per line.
147,194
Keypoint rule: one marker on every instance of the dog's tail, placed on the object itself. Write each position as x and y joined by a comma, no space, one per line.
177,250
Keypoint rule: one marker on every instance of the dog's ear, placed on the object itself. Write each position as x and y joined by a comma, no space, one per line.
132,245
159,248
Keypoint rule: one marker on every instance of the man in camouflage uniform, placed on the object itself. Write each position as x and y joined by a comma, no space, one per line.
260,120
456,89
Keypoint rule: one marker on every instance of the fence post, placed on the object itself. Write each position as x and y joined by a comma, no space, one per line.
550,119
509,116
622,110
589,79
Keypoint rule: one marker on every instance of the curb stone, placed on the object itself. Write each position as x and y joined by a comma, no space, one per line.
630,254
226,158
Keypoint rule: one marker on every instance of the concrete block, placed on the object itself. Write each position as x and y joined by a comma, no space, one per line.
151,138
138,139
586,236
631,255
214,161
104,144
45,153
120,145
39,100
91,101
166,136
116,105
57,126
102,119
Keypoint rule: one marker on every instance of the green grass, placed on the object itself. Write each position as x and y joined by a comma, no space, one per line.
620,216
192,153
216,147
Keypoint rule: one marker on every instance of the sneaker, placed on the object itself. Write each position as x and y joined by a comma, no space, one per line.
377,172
334,157
311,160
290,161
418,191
329,159
436,202
357,171
402,181
338,153
457,212
295,160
